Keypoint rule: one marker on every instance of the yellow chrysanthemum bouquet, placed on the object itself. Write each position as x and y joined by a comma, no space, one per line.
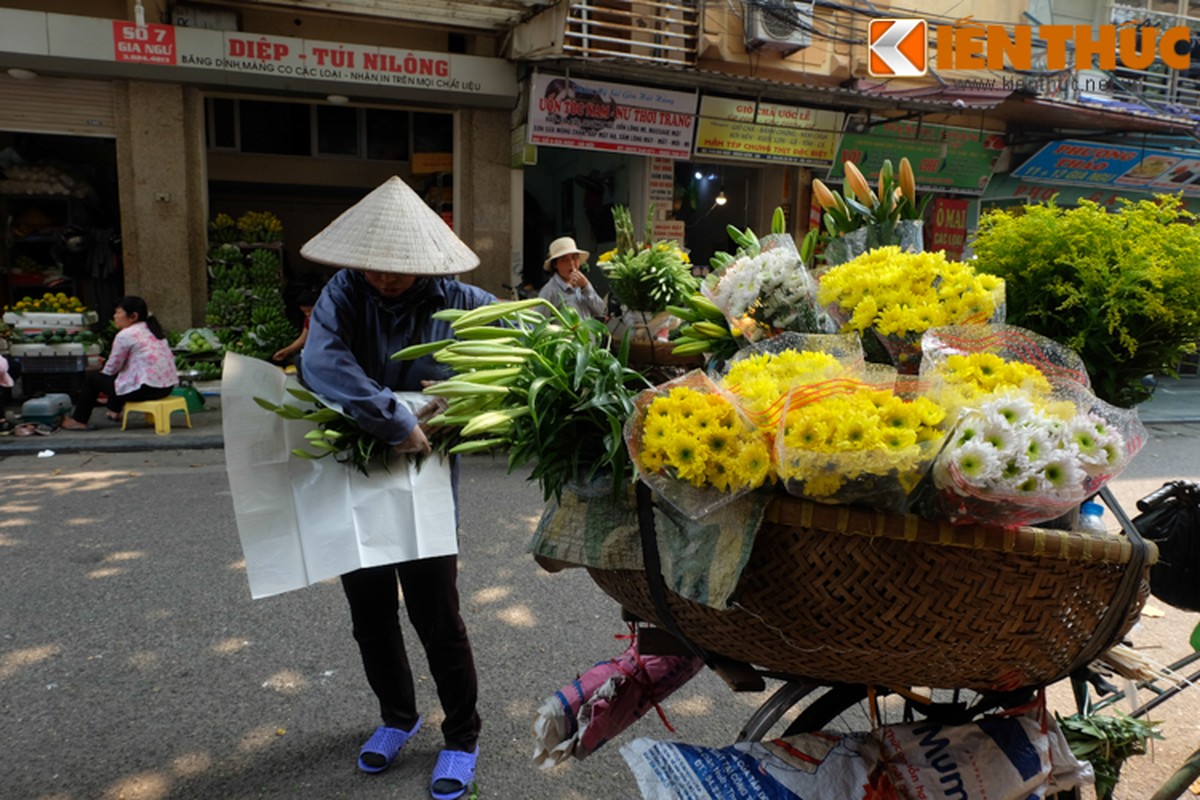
1031,441
897,296
692,444
843,431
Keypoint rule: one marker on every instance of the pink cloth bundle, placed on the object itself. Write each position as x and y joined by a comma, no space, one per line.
608,698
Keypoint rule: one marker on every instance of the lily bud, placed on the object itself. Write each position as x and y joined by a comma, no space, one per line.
908,184
823,195
885,177
858,184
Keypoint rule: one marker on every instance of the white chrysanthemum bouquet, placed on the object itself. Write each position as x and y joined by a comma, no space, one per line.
1031,441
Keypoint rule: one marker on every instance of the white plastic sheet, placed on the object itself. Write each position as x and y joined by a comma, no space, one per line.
302,521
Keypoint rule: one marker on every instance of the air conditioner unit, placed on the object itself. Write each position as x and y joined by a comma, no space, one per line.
779,24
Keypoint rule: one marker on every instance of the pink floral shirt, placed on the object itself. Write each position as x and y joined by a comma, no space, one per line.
140,359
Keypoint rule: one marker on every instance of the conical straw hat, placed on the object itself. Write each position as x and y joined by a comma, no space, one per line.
391,230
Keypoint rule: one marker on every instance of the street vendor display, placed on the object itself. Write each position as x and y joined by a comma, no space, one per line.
872,479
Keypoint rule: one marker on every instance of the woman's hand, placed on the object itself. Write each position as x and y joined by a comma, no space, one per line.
576,278
416,442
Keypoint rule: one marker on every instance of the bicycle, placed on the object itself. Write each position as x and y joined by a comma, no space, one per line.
816,703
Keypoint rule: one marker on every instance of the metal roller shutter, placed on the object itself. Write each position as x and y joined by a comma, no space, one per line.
57,105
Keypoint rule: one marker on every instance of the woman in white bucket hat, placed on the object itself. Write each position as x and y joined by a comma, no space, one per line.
567,284
401,257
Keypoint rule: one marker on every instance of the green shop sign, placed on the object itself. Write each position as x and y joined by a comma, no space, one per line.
942,157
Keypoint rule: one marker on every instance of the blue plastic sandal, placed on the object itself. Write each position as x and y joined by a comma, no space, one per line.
381,749
453,774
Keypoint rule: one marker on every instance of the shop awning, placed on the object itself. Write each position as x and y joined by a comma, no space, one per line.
496,16
1040,113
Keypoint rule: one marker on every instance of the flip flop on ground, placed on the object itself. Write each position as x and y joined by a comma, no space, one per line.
382,748
453,774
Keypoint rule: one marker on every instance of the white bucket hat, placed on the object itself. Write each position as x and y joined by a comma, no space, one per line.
563,246
391,230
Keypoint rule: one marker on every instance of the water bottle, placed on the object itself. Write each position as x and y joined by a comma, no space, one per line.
1091,518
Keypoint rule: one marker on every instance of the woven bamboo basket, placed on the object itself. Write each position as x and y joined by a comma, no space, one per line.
839,594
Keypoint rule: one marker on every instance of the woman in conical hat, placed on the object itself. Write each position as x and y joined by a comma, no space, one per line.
567,285
400,259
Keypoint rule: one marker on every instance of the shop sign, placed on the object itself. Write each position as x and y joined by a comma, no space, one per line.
1005,190
143,44
1111,165
594,115
663,230
942,157
948,228
196,53
662,181
766,131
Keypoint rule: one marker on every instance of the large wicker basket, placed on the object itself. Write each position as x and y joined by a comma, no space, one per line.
836,594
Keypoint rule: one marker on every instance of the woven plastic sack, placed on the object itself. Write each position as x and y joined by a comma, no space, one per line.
1172,521
692,444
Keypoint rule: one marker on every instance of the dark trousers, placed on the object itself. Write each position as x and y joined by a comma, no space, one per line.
431,600
96,382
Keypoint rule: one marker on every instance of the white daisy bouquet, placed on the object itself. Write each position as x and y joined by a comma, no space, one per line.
1031,441
693,445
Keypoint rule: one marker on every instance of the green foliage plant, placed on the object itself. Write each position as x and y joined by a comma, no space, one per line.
646,276
1121,289
1107,741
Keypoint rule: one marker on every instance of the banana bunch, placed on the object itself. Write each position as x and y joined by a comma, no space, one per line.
704,330
227,308
263,269
226,267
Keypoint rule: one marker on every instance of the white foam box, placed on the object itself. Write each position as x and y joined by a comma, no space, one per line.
38,319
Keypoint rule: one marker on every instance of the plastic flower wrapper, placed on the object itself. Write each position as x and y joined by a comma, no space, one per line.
865,441
762,375
766,290
897,296
691,443
1019,459
963,362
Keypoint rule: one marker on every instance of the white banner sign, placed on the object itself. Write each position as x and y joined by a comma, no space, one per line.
593,115
235,53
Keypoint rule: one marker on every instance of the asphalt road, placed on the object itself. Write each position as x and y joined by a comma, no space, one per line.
134,664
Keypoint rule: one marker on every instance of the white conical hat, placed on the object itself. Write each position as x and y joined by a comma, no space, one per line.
391,230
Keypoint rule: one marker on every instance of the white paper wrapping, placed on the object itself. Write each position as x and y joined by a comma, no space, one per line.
301,520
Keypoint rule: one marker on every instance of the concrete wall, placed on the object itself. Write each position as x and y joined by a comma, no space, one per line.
160,163
483,194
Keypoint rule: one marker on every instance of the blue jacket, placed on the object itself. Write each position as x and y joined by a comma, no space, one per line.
352,334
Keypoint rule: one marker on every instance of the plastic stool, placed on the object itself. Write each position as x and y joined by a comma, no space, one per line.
158,412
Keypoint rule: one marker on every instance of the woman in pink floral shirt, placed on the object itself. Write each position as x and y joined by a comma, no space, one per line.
140,366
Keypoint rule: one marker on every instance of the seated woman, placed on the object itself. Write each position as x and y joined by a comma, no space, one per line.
140,366
568,286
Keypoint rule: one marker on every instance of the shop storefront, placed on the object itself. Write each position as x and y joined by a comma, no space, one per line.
58,193
209,121
692,163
